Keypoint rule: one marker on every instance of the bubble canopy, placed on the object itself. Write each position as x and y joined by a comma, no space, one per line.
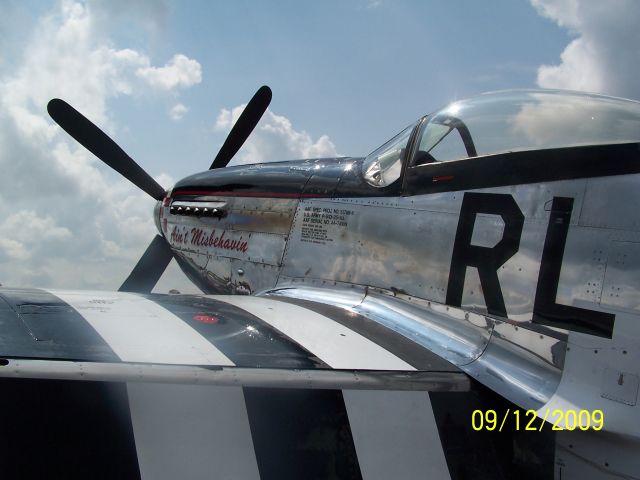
507,121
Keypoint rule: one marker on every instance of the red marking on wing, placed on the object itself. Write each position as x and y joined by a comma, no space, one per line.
204,318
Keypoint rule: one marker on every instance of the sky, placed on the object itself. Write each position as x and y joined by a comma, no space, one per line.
166,79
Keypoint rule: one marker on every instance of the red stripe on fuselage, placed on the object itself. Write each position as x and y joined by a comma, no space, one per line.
247,194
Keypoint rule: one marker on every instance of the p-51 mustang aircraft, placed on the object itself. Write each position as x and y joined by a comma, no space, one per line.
461,303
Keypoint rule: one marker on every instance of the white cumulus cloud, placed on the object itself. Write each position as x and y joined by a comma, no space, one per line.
66,220
274,139
178,111
179,72
604,57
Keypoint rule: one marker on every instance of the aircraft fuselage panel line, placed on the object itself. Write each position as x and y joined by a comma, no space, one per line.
333,343
403,442
139,330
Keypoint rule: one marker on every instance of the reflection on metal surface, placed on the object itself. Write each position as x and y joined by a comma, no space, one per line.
516,373
250,238
520,364
440,329
406,243
341,297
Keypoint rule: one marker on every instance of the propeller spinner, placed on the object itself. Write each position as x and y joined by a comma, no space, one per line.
158,254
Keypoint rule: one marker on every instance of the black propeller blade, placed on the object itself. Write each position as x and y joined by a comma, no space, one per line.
243,127
158,254
149,268
98,143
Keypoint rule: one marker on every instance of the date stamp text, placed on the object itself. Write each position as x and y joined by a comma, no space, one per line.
491,420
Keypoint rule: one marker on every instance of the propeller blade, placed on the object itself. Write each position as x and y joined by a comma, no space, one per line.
98,143
149,268
243,127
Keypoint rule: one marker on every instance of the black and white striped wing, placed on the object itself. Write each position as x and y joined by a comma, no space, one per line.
179,386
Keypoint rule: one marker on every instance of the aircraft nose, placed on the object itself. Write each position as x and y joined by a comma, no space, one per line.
229,242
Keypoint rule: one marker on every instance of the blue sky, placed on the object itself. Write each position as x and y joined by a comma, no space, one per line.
353,70
166,79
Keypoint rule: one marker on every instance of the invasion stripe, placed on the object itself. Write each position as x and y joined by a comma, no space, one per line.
105,326
36,324
66,430
139,330
335,344
402,347
242,337
402,442
192,431
301,434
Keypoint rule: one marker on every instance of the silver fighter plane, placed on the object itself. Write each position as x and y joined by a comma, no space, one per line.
461,303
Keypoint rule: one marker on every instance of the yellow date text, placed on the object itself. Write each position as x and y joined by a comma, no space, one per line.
529,420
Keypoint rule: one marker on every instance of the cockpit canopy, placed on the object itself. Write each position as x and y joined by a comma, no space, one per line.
502,122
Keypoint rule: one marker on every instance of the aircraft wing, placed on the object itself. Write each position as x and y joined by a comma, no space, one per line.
267,341
353,383
186,386
301,337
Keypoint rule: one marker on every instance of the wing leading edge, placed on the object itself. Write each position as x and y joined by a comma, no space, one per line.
221,340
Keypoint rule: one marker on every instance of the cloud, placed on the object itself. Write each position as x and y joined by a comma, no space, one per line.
604,57
66,220
179,72
564,12
21,243
274,138
178,111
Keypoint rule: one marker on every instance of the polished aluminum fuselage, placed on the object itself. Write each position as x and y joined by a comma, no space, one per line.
404,244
